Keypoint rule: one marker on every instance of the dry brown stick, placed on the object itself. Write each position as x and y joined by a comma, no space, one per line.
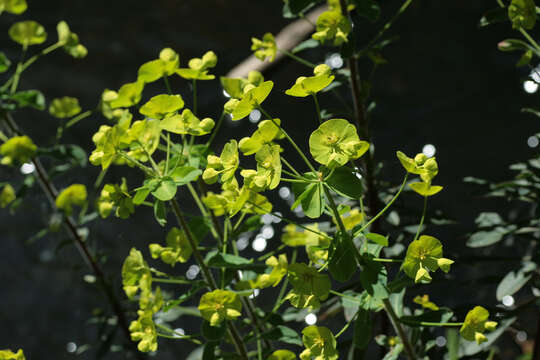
290,36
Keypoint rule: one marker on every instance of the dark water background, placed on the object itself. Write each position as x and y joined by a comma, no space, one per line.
445,84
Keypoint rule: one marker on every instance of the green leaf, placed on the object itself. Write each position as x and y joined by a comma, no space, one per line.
368,9
515,280
307,44
141,195
525,59
4,63
160,212
185,174
373,278
522,13
342,263
283,334
128,95
282,355
486,238
213,333
166,189
312,200
293,8
28,33
30,98
363,329
161,105
425,189
494,16
345,182
230,261
378,239
440,316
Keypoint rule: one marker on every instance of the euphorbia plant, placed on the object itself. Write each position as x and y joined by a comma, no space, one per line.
170,140
335,263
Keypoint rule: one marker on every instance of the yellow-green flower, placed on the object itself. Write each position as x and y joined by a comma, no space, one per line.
143,330
425,255
115,197
16,7
320,344
166,65
309,286
220,305
178,248
8,354
18,149
475,324
268,166
187,123
279,270
332,27
425,303
265,48
421,165
306,86
336,142
7,195
252,97
266,133
224,165
70,41
143,138
73,195
282,355
128,95
64,107
133,271
198,67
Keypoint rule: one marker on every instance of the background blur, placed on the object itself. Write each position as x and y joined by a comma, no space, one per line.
446,84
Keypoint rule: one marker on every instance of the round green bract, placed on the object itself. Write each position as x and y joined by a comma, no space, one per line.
220,305
64,107
18,149
161,105
336,142
73,195
28,33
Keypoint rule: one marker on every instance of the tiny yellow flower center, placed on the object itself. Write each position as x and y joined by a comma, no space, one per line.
331,139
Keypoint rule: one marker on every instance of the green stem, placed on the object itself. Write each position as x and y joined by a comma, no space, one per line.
427,323
529,38
290,167
172,281
384,209
317,107
176,335
214,133
167,85
335,211
300,152
292,222
422,219
136,162
78,118
297,58
387,260
344,328
389,24
279,301
399,329
351,298
195,97
235,337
